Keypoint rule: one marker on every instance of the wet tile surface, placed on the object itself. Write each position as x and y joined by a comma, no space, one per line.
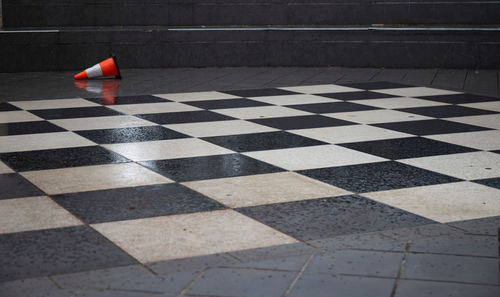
134,203
133,134
430,127
130,100
28,128
328,217
301,122
67,113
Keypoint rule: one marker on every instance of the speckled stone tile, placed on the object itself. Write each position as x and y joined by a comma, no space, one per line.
322,285
134,203
17,116
346,134
226,103
413,288
209,167
482,140
444,202
485,226
332,107
119,100
261,112
80,112
196,96
399,102
28,128
56,251
287,100
222,128
53,104
376,116
451,268
184,117
328,217
262,141
189,235
264,189
490,182
15,186
320,89
259,92
493,106
446,111
61,158
491,121
133,134
41,141
403,148
430,127
376,85
460,98
93,123
360,95
416,91
378,176
301,122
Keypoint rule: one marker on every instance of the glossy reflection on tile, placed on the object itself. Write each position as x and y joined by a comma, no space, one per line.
313,157
262,141
89,178
400,102
189,235
430,127
42,141
209,167
286,100
147,108
196,96
378,176
101,123
329,217
18,116
134,203
21,128
301,122
133,134
319,89
416,91
167,149
15,186
402,148
446,202
469,166
376,116
491,121
483,140
264,189
222,128
136,99
33,213
53,104
345,134
261,112
60,158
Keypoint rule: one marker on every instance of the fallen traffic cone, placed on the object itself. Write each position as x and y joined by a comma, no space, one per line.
108,67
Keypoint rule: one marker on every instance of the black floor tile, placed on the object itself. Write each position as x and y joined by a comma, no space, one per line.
184,117
460,98
199,168
376,85
430,127
130,100
13,185
332,107
28,128
61,158
262,141
490,182
57,251
4,106
498,152
329,217
134,134
447,111
301,122
260,92
78,112
226,103
380,176
134,203
403,148
361,95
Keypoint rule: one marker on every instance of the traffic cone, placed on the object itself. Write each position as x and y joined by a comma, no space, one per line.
108,67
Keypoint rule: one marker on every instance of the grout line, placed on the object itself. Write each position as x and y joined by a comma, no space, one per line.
287,292
465,79
400,270
193,281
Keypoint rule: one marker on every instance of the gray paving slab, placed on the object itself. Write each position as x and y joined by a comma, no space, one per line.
451,268
481,81
430,230
172,283
278,251
486,226
327,76
296,77
411,288
324,285
34,287
368,241
286,263
366,263
473,245
451,79
192,264
390,75
242,282
113,293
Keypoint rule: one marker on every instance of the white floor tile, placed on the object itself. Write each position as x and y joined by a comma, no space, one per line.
416,92
468,166
147,108
4,168
321,89
41,141
399,102
488,121
17,116
377,116
110,122
482,140
492,105
196,96
189,235
167,149
446,202
313,157
294,99
346,134
261,112
219,128
52,104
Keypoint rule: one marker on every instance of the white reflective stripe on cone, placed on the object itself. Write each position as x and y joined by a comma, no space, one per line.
94,71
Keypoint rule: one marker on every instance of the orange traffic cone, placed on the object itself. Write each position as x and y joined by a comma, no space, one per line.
108,67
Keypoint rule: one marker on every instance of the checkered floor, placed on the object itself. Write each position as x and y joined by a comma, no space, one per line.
89,184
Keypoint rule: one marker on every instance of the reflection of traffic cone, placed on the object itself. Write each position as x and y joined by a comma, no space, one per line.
107,89
108,67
